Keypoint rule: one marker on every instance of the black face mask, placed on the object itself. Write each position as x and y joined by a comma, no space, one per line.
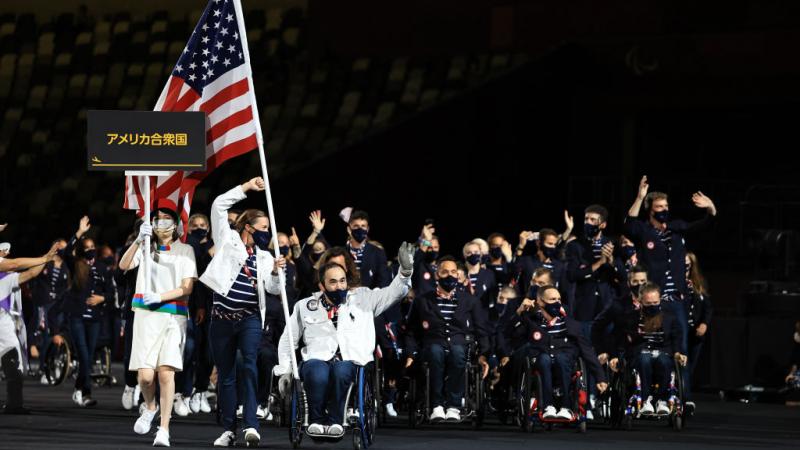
590,230
336,297
198,234
550,252
359,234
553,309
430,256
284,249
448,283
474,259
628,251
661,216
108,261
315,256
496,252
89,254
261,239
60,253
635,289
651,310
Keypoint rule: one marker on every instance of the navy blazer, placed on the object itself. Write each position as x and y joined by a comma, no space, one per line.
629,342
485,288
655,256
592,290
374,267
425,323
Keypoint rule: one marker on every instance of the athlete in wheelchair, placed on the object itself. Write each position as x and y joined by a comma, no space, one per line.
443,327
557,356
649,356
337,329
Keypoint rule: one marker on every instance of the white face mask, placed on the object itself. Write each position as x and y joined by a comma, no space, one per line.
164,224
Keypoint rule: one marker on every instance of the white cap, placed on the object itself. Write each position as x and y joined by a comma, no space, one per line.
345,214
5,247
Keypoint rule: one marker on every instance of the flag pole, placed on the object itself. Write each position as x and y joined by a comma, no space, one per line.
265,175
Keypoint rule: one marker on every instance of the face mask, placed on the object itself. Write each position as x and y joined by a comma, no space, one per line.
628,251
199,234
496,252
431,256
448,283
501,308
474,259
316,256
336,297
651,310
359,234
661,216
550,252
635,289
553,309
60,253
284,249
590,230
164,225
108,261
261,239
89,254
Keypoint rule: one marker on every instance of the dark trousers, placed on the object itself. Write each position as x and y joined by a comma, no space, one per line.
327,382
650,366
228,337
10,363
561,364
84,334
449,362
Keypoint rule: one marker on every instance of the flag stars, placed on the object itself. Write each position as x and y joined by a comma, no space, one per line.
236,36
205,64
217,13
205,39
210,73
216,24
192,65
231,49
214,59
224,31
178,68
205,52
218,45
205,27
226,62
192,77
229,17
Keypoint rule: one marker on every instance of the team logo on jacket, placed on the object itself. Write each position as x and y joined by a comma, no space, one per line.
426,276
425,324
651,245
537,336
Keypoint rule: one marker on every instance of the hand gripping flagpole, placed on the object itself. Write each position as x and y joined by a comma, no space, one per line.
261,156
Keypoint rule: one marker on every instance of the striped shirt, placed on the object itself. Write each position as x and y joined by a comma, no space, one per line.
669,281
448,310
654,340
97,282
556,328
242,296
358,254
597,248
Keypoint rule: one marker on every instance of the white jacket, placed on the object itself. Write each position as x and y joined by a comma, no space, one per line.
355,335
230,253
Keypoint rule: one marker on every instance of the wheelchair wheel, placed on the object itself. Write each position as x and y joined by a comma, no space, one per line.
376,383
59,363
532,394
616,399
677,423
368,414
101,372
297,416
580,398
479,400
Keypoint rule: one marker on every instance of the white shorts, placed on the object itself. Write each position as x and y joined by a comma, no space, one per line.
8,336
158,340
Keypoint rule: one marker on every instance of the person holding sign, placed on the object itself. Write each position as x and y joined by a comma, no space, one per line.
159,330
241,270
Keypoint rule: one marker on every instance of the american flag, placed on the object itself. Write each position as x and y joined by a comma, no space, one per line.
213,76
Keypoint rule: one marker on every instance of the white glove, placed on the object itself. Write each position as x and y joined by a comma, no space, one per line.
285,384
146,230
150,298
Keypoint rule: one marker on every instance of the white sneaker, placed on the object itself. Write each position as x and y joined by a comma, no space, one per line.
550,412
88,401
204,406
453,415
251,437
316,429
194,402
162,438
662,408
227,439
437,414
44,380
390,410
77,397
261,412
335,430
240,412
647,406
127,398
145,421
564,413
589,415
180,406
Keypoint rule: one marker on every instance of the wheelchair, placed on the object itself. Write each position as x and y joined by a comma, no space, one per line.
530,409
62,363
629,390
361,411
608,408
475,399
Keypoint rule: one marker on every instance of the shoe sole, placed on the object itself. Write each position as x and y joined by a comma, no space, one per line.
252,441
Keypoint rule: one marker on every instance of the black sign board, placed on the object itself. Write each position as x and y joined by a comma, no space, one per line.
146,140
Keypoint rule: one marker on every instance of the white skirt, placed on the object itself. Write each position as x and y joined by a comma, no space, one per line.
8,336
158,340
